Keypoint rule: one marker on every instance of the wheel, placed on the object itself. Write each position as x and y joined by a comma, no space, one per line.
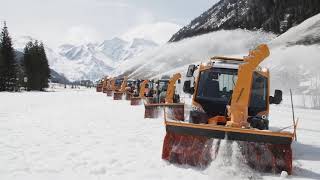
259,123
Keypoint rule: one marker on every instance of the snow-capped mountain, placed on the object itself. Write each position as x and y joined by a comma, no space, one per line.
270,16
97,59
119,50
114,48
92,60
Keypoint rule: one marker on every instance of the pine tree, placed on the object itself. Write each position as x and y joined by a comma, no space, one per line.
36,66
45,70
27,64
7,62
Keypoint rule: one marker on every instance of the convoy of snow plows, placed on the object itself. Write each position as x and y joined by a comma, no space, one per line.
230,102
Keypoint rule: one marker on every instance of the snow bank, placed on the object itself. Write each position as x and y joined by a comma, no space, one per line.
83,135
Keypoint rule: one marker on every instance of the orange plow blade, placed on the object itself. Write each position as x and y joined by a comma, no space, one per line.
197,145
136,101
99,89
174,110
128,96
118,95
109,92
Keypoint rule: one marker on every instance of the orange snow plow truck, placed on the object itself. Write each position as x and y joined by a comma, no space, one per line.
230,103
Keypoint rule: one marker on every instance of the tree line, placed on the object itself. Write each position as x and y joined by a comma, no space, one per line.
32,71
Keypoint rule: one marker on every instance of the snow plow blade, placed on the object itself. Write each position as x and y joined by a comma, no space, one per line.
175,110
117,95
99,89
229,133
128,96
192,144
136,101
109,92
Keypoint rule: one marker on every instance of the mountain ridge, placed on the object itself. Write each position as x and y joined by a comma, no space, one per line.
270,16
91,60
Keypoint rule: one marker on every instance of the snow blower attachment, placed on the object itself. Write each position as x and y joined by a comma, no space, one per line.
230,102
110,86
117,95
141,89
165,97
129,91
105,84
100,86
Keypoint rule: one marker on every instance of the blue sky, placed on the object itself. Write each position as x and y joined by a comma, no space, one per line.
56,21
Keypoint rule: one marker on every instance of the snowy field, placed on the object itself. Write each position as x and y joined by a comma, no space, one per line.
84,135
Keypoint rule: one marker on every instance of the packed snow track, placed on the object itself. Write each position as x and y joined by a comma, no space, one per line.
84,135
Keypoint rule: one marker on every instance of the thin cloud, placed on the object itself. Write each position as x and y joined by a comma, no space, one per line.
59,21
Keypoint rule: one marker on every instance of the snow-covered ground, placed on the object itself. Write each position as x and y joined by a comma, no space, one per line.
81,134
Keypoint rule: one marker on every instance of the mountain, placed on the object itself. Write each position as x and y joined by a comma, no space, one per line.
92,60
119,50
275,16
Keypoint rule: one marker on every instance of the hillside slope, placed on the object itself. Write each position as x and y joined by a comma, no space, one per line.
294,58
271,16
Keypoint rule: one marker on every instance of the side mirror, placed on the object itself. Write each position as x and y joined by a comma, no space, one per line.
277,98
191,70
187,87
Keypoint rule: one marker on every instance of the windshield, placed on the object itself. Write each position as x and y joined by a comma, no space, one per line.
163,85
118,82
216,84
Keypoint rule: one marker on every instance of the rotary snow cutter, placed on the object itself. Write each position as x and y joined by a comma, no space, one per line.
165,96
110,85
99,86
140,92
117,95
113,85
130,89
104,83
127,90
230,103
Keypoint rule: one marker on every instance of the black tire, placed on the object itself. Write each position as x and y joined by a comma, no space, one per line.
259,123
